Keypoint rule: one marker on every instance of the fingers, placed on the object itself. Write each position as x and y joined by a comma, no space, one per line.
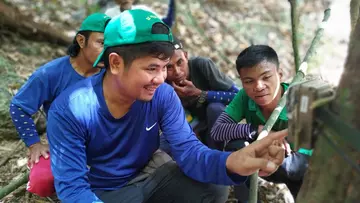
277,143
268,140
264,174
187,82
31,162
178,88
34,158
264,165
277,154
45,154
175,86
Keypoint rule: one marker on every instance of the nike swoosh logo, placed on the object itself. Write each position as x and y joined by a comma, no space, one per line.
148,129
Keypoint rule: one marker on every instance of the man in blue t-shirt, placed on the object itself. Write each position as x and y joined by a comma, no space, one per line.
103,131
44,85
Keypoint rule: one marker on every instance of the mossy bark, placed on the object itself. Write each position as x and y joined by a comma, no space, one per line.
330,178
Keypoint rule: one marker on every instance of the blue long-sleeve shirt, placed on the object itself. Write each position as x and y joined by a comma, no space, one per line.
82,132
170,17
224,97
42,87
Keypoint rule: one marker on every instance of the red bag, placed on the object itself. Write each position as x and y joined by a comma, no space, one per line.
41,180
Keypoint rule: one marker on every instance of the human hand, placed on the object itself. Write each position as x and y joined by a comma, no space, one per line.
287,147
265,155
260,128
186,88
284,144
35,151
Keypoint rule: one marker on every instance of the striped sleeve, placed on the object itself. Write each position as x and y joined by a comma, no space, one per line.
225,128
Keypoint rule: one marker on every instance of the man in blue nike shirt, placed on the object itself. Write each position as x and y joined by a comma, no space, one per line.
103,131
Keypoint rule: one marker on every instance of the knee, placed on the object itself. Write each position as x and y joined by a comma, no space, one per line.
235,145
215,108
41,180
296,166
220,193
213,111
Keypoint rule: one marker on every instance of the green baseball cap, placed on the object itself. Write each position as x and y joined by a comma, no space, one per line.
95,22
132,27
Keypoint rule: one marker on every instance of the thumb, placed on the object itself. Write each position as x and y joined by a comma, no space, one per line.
175,86
187,82
262,164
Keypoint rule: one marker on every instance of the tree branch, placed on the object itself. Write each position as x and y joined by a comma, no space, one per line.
14,20
13,185
354,13
294,28
333,146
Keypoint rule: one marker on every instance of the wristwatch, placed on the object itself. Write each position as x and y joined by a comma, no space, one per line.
202,98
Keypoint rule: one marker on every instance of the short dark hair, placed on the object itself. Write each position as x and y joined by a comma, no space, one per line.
160,50
254,55
74,49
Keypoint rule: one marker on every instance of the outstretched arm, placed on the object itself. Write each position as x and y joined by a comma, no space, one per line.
194,158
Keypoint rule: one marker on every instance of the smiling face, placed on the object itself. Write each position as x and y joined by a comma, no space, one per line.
141,78
261,82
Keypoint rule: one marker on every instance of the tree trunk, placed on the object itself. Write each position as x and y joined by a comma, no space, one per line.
354,13
14,20
330,178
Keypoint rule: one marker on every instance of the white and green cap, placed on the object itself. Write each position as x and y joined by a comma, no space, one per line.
132,27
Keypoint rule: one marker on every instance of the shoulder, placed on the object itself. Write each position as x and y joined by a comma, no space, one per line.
78,97
163,91
240,101
238,106
199,60
52,69
241,96
201,64
164,97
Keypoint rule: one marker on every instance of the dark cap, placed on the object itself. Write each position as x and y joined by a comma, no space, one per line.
177,43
